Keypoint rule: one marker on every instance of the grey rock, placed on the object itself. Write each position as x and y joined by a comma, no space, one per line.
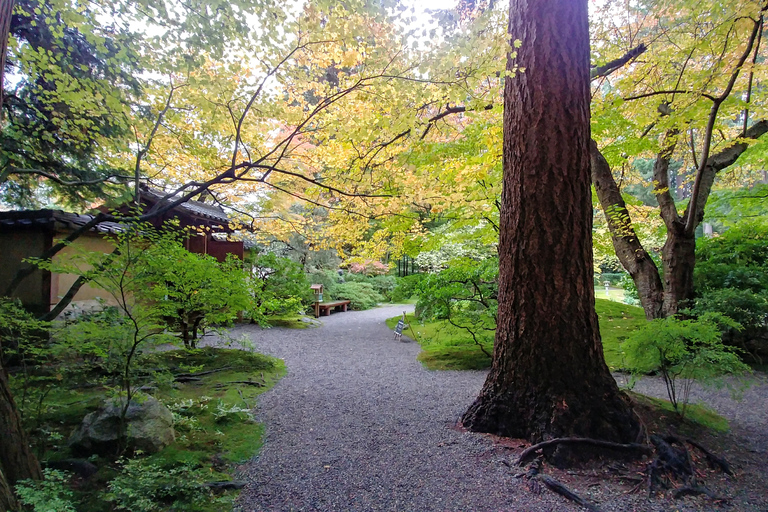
149,428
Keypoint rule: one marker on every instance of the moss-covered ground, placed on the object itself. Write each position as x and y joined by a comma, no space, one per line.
445,347
213,424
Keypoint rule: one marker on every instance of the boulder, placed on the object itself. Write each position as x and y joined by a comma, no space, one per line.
149,428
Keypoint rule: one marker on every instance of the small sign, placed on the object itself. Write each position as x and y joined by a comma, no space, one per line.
399,329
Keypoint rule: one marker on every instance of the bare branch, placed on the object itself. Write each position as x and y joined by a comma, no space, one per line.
143,151
670,91
610,67
56,179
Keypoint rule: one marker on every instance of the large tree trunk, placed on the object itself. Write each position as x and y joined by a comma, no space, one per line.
7,499
549,377
17,461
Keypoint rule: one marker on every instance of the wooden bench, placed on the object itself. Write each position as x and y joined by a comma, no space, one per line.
324,308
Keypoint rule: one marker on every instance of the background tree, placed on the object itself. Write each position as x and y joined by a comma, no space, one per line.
677,104
549,377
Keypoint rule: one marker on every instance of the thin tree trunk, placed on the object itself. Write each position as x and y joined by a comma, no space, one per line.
679,258
6,10
548,378
633,257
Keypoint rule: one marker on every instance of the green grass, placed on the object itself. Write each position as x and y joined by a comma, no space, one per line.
445,347
614,294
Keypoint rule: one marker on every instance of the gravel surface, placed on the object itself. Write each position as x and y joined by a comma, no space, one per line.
358,424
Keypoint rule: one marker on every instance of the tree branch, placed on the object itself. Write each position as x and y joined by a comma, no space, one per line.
692,217
140,155
661,179
610,67
625,241
719,161
56,179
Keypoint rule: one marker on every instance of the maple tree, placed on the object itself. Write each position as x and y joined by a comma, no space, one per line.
688,100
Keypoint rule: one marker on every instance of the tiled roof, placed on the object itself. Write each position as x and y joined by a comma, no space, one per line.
196,208
53,219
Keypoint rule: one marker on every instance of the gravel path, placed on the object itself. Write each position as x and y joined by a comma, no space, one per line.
358,424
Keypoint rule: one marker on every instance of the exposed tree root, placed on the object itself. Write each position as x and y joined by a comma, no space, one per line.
248,382
224,486
695,490
186,377
562,490
673,463
670,463
671,468
534,478
528,453
714,460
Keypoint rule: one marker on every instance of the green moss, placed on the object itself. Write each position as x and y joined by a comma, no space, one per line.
696,415
462,357
289,322
213,429
617,322
445,347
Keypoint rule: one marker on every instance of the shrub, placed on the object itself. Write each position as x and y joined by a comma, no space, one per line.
748,309
328,278
360,295
278,287
631,295
682,351
368,268
613,278
194,291
144,487
736,259
52,494
731,278
406,287
384,285
464,294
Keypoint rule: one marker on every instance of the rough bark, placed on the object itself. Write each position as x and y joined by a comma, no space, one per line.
7,499
678,256
17,461
548,378
633,257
